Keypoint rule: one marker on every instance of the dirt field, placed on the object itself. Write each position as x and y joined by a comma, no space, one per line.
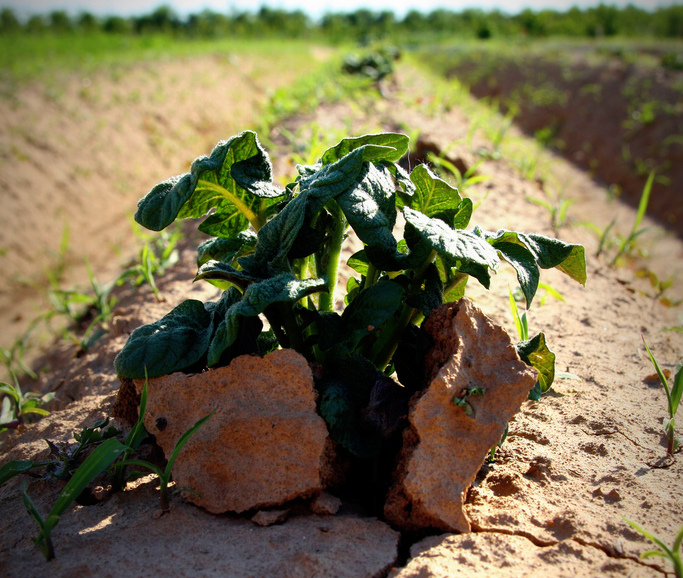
575,464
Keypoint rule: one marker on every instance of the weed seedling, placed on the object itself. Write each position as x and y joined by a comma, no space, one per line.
165,474
97,462
627,242
17,405
673,397
672,554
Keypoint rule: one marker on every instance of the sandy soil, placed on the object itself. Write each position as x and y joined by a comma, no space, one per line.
575,464
75,159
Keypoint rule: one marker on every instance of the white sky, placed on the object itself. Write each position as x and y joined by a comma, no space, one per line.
314,7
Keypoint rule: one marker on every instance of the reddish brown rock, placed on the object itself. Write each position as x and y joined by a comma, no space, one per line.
264,446
443,446
325,504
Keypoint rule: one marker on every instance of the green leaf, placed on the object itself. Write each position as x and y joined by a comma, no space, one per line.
236,204
469,252
160,207
431,296
359,262
387,146
433,195
461,218
344,393
547,251
226,250
368,311
370,208
99,460
224,276
662,379
175,342
524,264
285,288
351,177
535,353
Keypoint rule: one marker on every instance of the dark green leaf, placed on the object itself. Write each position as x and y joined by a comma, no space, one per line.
368,311
216,188
341,416
175,342
433,195
524,264
359,262
431,296
383,146
369,207
547,251
224,276
455,246
225,250
160,207
344,394
277,237
535,353
284,288
275,240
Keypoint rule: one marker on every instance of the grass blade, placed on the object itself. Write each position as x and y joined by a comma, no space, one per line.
103,456
660,374
183,440
677,387
15,467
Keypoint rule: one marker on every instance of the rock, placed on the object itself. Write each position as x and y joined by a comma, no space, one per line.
270,517
443,446
325,504
265,445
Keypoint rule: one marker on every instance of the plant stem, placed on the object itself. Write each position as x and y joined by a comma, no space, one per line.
371,277
388,346
331,258
384,355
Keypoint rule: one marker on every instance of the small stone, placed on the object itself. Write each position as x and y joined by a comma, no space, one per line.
270,517
445,444
325,504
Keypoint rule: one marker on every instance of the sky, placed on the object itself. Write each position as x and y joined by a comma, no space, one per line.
315,8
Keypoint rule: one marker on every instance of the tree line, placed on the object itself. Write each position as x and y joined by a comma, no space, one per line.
364,24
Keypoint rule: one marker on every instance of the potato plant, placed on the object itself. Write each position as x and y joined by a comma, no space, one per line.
275,254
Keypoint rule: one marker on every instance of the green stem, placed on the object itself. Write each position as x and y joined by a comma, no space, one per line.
384,355
252,217
371,277
388,345
332,256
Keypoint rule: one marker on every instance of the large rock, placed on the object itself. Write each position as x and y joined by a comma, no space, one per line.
445,444
265,445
